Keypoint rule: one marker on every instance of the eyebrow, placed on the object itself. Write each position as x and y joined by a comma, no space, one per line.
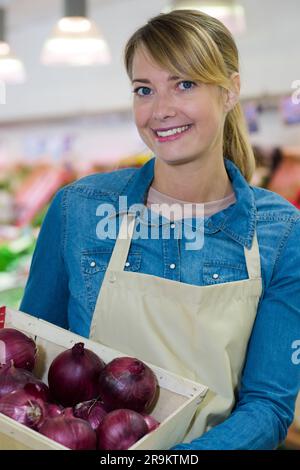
145,80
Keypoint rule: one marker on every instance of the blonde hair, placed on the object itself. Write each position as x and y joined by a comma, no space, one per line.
191,43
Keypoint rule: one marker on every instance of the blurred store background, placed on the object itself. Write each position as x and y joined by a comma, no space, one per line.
64,115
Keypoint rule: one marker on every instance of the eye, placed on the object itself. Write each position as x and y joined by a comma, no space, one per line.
186,85
142,91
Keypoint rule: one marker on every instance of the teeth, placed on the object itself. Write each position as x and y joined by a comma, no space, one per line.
176,130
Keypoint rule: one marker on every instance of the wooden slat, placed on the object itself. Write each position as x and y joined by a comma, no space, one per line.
15,436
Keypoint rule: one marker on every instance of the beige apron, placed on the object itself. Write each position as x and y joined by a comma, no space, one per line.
198,332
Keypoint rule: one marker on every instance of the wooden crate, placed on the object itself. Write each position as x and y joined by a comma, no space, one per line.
177,403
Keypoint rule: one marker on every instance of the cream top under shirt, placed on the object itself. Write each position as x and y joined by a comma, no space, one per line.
185,209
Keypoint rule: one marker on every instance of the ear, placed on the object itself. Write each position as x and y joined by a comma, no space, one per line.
232,96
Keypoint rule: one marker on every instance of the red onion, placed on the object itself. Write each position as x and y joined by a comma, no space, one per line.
74,433
23,406
128,383
92,411
151,422
52,410
73,375
17,347
120,429
68,413
12,378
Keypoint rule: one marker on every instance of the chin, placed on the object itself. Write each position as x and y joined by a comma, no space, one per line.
177,160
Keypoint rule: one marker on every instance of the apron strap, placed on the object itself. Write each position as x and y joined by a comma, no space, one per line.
253,259
122,245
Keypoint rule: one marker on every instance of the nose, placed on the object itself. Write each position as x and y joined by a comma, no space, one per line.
163,108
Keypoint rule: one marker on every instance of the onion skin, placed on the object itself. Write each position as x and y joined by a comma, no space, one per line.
128,383
74,433
53,410
92,411
151,422
120,429
23,406
17,347
73,375
13,378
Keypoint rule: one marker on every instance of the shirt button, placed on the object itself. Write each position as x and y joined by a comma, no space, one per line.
92,264
172,225
215,276
127,264
172,266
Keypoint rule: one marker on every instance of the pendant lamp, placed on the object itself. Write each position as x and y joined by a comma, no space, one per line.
75,39
228,12
11,68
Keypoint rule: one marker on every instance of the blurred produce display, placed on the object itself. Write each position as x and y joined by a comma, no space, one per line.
286,179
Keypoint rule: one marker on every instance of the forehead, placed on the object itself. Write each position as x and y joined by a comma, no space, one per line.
143,65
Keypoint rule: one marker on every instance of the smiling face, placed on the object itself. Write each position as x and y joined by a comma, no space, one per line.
178,119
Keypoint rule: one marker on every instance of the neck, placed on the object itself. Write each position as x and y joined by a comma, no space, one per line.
197,182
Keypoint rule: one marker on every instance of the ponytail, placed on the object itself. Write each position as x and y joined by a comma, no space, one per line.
236,143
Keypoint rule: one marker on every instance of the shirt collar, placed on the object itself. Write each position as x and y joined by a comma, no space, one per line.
238,221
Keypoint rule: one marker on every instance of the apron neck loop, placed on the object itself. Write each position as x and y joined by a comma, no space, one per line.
253,259
122,245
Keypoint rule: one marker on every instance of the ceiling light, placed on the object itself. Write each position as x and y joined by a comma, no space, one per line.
227,11
11,68
75,39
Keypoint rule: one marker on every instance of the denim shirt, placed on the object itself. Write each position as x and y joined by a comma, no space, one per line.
70,260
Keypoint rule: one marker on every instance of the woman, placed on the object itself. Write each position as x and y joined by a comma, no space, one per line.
224,310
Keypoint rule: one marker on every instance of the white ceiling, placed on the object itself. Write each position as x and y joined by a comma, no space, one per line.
269,55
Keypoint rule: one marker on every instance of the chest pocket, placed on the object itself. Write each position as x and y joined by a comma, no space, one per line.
218,272
93,261
94,264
